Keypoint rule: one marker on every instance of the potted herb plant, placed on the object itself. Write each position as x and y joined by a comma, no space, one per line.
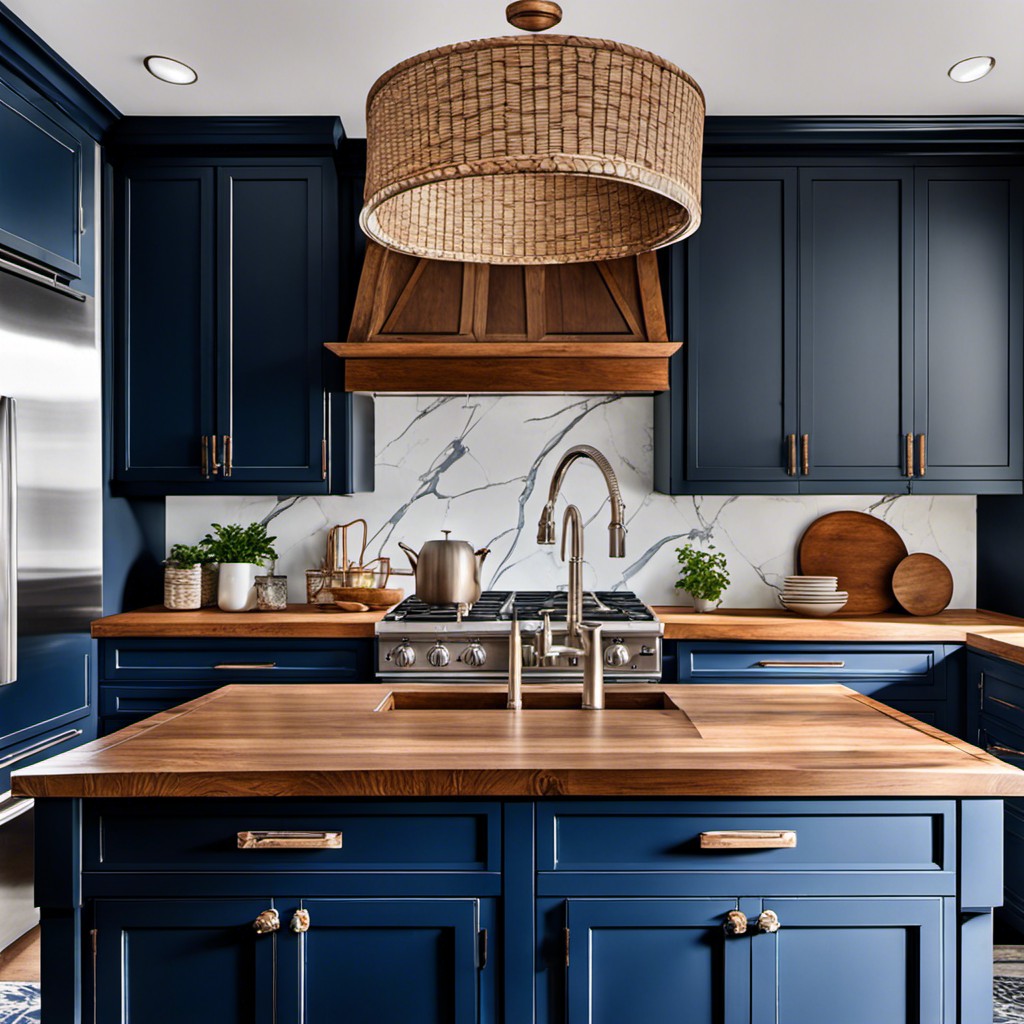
183,578
703,575
241,552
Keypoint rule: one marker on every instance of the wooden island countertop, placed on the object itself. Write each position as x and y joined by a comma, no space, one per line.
309,740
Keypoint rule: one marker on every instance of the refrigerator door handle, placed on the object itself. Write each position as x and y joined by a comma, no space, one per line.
8,541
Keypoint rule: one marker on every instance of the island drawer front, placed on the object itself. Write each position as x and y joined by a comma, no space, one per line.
236,661
886,671
128,835
143,701
849,835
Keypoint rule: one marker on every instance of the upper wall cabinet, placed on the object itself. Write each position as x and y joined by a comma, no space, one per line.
895,366
42,215
225,290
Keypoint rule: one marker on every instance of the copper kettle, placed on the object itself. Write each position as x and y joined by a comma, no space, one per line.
447,571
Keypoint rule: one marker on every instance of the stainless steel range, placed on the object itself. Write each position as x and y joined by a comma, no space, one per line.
421,642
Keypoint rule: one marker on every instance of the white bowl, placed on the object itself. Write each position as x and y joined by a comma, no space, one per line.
822,591
812,579
828,594
814,609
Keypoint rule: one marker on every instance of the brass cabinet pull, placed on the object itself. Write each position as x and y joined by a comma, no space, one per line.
805,454
922,454
268,921
214,464
323,458
241,666
1006,704
204,457
300,922
791,458
909,456
801,664
228,459
271,840
735,923
998,748
749,839
768,921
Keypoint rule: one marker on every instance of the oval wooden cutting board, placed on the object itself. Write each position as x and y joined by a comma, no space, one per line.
923,584
862,550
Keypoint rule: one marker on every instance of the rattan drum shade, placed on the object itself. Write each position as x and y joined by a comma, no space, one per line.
552,149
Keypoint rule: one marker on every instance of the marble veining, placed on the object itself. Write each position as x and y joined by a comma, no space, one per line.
479,465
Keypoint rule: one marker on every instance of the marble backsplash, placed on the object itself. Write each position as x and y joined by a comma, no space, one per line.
480,466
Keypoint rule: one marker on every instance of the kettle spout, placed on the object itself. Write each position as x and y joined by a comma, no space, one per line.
412,555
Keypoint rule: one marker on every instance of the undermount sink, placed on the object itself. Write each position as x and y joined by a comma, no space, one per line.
541,700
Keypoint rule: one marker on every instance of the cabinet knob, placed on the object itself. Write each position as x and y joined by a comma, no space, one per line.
300,922
267,922
735,923
768,921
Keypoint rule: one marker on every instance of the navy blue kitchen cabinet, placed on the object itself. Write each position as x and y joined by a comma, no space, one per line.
995,722
225,292
141,677
42,179
922,680
859,380
968,318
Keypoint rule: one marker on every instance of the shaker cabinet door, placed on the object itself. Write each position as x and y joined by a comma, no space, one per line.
856,324
741,329
164,322
970,333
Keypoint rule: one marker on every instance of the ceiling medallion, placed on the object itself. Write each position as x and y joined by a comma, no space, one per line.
533,149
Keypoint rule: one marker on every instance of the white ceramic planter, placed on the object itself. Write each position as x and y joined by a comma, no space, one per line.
236,589
702,604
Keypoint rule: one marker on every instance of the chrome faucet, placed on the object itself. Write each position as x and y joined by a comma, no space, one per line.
617,526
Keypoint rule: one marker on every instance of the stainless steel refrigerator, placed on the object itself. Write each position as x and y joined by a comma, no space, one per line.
50,549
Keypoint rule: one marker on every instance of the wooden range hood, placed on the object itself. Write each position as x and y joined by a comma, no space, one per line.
429,326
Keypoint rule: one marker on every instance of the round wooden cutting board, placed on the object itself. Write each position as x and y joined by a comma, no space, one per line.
862,550
923,584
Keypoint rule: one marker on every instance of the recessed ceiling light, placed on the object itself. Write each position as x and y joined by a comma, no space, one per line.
971,69
169,70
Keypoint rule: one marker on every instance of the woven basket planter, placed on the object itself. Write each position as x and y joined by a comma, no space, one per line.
182,589
210,578
552,149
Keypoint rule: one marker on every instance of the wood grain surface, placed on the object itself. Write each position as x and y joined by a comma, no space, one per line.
862,550
327,740
922,584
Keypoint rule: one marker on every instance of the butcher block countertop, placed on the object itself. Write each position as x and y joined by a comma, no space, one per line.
328,740
1002,635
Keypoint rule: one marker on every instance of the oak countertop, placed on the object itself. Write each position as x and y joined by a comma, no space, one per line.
309,740
1001,635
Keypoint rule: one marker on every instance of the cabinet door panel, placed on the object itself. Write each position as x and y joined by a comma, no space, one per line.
896,945
271,321
741,336
969,324
638,961
164,321
391,960
167,961
856,322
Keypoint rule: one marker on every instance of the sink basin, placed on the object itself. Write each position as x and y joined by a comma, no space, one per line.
541,700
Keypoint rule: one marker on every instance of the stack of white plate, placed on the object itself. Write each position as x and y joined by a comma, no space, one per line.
813,595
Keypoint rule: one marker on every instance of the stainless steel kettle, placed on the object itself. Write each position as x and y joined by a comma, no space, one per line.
447,571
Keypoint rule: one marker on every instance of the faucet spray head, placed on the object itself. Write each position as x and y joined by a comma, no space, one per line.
617,540
546,526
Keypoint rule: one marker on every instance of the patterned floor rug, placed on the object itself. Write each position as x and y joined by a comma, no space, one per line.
19,1002
1008,984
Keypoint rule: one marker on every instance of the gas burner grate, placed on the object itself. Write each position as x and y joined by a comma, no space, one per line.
492,606
598,606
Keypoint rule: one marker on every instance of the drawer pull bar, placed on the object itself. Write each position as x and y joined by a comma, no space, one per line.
37,748
998,748
1007,704
749,839
269,840
801,664
261,666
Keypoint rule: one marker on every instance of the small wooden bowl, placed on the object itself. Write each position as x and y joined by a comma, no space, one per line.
375,598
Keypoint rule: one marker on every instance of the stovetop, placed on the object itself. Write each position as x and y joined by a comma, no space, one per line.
526,605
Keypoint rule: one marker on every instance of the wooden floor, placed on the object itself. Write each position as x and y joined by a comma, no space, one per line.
20,960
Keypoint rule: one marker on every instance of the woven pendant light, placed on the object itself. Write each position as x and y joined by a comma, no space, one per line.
533,149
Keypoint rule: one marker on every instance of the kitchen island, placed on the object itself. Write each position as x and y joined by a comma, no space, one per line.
752,853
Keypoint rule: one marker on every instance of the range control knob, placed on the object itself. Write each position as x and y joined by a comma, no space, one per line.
474,656
438,655
616,655
403,656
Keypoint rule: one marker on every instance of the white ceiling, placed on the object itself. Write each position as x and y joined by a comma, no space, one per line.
277,57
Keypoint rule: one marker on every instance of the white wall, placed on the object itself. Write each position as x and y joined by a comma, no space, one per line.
480,466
